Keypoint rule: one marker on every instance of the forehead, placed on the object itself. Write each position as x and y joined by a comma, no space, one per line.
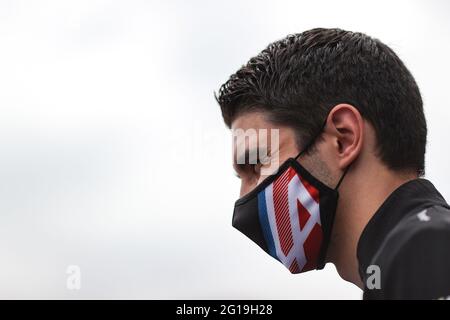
252,120
259,121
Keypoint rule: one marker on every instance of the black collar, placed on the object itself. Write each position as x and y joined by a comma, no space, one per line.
411,197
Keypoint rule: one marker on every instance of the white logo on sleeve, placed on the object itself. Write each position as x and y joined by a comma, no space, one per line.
422,215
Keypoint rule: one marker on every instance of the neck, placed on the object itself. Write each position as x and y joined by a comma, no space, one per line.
367,189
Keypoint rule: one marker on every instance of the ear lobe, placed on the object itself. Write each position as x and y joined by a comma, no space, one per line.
346,123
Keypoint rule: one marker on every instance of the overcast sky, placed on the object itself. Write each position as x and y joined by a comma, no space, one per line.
114,157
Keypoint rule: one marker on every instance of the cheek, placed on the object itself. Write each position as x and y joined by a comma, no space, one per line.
261,179
318,166
329,156
247,186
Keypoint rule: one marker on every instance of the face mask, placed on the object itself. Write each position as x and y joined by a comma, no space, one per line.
290,216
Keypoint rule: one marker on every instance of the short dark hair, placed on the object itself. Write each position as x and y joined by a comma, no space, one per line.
297,80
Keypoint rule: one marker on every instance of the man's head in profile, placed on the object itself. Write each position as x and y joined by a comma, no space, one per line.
351,132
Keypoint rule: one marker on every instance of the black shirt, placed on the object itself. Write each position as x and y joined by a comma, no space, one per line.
404,251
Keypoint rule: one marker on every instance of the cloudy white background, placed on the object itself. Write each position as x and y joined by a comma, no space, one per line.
114,157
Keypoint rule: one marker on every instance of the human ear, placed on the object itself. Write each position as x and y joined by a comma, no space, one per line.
346,126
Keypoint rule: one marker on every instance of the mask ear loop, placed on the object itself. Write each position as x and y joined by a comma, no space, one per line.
309,146
342,177
313,140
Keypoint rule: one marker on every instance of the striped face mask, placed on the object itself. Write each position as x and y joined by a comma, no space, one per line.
290,216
